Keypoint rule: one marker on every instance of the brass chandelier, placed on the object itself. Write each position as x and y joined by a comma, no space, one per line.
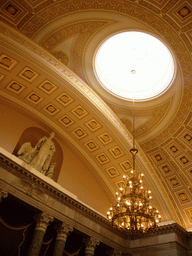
133,212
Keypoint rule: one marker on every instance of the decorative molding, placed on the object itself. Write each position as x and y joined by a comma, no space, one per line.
3,194
43,220
23,173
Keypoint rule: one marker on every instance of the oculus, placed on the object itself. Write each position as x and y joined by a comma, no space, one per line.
134,65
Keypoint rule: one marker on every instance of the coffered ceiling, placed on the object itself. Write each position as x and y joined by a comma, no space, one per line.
46,71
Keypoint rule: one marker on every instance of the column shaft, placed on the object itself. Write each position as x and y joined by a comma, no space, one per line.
61,238
91,244
36,243
43,220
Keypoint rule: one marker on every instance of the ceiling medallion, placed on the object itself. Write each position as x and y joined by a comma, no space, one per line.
134,65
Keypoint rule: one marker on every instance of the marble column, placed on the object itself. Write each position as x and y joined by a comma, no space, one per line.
90,246
43,220
62,232
3,194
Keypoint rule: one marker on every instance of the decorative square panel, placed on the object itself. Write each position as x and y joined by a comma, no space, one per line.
91,145
173,181
15,87
7,62
166,169
183,197
93,125
79,133
11,10
174,149
28,74
79,112
181,13
14,12
126,166
116,152
51,109
184,160
66,121
120,184
64,99
34,98
188,137
1,77
189,214
105,138
112,171
102,158
47,87
158,157
184,12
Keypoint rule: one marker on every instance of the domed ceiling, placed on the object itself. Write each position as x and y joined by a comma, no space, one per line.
47,71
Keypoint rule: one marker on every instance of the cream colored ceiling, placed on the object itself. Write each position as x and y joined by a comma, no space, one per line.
68,98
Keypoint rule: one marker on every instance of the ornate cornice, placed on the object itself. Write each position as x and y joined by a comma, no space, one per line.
23,173
166,229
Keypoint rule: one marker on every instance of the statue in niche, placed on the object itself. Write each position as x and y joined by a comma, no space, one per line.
39,156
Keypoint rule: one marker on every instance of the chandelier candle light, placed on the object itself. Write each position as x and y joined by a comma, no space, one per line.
133,212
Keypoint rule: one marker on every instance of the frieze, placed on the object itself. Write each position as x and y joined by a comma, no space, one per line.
68,31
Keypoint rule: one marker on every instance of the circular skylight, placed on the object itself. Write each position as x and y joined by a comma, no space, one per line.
134,65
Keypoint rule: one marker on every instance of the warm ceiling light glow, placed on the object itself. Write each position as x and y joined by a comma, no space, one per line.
134,65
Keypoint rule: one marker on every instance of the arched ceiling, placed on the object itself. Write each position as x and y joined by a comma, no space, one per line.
51,45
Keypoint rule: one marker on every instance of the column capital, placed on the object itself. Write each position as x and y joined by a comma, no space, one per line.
63,231
3,194
92,242
64,228
43,220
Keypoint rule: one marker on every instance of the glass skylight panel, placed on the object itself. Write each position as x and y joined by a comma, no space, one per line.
134,65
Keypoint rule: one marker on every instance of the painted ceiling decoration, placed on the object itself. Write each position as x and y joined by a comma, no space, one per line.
47,73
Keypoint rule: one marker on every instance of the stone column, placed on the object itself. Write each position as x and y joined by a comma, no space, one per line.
91,244
43,219
62,233
3,194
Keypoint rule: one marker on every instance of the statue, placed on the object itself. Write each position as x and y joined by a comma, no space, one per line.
40,156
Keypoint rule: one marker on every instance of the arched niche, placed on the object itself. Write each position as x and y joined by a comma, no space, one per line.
33,135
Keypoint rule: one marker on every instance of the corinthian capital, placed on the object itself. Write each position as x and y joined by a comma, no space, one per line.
64,228
43,220
63,231
92,242
3,194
